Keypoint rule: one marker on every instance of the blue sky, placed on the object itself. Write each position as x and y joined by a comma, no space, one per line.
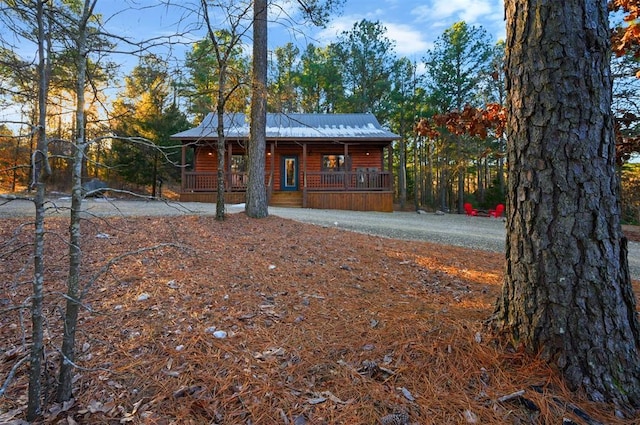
413,25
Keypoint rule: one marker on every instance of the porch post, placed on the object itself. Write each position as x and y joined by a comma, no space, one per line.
227,167
304,175
183,167
273,166
347,164
390,158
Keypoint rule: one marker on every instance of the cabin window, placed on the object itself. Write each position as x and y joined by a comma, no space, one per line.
333,163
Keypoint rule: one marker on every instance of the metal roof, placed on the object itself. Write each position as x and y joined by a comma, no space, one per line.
299,127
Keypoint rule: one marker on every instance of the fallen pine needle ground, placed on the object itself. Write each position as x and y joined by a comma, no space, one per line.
272,321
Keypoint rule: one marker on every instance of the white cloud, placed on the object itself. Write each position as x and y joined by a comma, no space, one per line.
437,15
470,11
408,39
413,25
284,9
336,28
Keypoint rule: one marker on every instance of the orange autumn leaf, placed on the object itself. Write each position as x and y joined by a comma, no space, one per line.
471,121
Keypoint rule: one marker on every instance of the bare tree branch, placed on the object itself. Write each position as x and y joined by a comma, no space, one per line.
11,374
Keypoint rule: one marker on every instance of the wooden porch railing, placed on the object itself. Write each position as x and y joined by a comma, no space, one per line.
195,181
314,181
348,180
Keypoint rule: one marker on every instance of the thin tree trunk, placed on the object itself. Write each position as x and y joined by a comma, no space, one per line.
14,172
430,187
256,202
222,58
402,172
567,293
461,176
65,379
41,172
37,319
416,175
501,181
402,163
443,189
220,202
67,360
154,175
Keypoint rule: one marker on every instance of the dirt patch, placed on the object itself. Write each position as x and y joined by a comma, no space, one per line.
276,322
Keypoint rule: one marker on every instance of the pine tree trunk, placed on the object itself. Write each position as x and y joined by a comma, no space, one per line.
567,292
67,361
37,319
256,202
67,366
221,104
402,172
41,171
461,176
221,149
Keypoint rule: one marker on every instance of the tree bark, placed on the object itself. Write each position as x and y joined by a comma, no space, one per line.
221,145
221,149
222,55
567,293
256,202
67,361
41,171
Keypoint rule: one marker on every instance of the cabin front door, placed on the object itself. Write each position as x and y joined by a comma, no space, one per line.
289,172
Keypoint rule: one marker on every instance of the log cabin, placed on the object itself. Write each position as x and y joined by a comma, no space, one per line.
324,161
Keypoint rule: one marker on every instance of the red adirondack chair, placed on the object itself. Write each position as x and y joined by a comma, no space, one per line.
497,212
469,210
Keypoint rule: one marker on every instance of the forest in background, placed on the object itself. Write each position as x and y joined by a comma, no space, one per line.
132,113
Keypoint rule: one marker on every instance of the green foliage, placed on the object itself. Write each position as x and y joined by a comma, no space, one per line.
460,71
283,91
204,63
320,80
359,72
406,101
630,196
455,66
492,82
145,116
318,11
366,59
493,196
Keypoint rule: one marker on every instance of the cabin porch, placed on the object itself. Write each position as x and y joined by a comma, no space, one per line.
361,190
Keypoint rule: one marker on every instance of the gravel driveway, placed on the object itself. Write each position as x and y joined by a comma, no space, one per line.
449,229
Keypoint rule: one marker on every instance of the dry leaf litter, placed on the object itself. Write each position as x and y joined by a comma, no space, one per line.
272,321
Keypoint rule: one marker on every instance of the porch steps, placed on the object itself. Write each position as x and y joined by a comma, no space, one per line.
286,199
